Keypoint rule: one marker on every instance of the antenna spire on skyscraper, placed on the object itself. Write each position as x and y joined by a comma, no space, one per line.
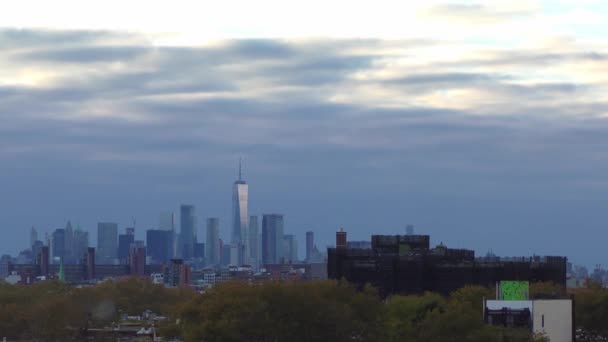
240,169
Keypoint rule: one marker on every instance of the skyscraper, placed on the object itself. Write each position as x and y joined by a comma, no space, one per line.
272,238
187,230
33,236
212,249
240,199
124,245
199,250
254,257
69,257
107,242
290,248
80,243
409,229
58,246
310,244
158,244
167,222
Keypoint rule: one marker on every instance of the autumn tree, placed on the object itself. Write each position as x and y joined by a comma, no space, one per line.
311,311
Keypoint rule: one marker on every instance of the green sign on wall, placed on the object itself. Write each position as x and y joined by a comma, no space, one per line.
514,290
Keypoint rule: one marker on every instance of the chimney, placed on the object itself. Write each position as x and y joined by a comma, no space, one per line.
341,239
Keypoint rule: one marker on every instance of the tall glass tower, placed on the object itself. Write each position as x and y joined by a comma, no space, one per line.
212,249
187,230
254,242
272,238
107,242
240,199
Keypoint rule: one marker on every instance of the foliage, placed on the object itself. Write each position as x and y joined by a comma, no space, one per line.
271,311
458,318
312,311
591,309
53,310
547,290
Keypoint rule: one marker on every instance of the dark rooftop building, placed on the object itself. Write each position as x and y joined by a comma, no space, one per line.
405,264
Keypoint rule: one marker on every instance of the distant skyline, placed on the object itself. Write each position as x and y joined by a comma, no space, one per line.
483,126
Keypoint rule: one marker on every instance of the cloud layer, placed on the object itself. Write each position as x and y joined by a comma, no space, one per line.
481,146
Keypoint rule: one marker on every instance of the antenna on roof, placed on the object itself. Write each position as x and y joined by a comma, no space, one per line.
240,169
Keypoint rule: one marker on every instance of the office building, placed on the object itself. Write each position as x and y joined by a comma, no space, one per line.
199,250
158,242
213,242
36,248
409,229
124,245
167,222
69,256
405,264
310,244
187,231
359,244
107,243
80,243
33,236
224,253
177,273
254,242
290,249
239,237
43,260
235,255
272,238
58,245
137,259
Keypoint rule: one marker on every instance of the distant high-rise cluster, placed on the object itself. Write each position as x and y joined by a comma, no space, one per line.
255,242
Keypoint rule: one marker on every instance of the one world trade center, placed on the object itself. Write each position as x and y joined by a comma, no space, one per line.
240,198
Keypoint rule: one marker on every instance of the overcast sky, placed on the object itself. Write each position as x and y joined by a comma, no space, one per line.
485,126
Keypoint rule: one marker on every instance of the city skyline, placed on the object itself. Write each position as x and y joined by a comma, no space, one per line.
163,243
200,230
483,124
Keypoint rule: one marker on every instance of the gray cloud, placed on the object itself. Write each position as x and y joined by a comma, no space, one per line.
446,78
169,125
17,38
85,55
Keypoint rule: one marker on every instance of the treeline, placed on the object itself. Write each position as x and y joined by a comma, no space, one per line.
309,311
330,311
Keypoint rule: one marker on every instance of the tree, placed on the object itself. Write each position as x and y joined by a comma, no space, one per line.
547,290
272,311
591,309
